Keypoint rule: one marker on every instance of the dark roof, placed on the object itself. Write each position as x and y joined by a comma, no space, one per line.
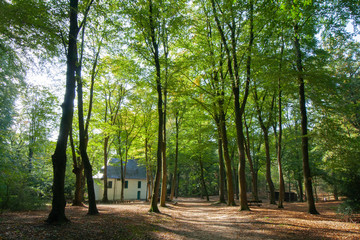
133,170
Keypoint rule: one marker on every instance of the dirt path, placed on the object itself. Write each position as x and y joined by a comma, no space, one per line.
187,219
194,219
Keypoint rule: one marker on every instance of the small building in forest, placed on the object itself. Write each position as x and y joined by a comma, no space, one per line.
135,181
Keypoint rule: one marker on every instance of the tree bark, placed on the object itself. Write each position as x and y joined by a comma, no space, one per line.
57,213
304,130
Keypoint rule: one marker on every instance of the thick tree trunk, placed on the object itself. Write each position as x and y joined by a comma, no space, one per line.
304,130
57,214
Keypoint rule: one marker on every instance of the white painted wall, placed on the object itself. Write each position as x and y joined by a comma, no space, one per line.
130,193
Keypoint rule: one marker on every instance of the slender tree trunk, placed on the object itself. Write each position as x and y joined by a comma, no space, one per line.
335,193
57,213
300,189
229,175
83,134
279,142
203,184
221,171
164,167
148,169
105,194
122,179
173,184
177,186
77,170
255,194
155,193
268,167
304,130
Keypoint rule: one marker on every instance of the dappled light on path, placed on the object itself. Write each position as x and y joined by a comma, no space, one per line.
187,218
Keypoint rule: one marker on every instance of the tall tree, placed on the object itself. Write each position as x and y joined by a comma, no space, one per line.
303,112
57,214
229,13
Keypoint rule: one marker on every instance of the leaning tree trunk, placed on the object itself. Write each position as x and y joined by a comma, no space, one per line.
304,130
57,214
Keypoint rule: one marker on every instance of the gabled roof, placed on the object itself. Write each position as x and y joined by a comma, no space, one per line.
133,170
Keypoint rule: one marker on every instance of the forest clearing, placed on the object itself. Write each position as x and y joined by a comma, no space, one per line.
143,101
188,218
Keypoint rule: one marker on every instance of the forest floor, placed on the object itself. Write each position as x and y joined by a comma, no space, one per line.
188,218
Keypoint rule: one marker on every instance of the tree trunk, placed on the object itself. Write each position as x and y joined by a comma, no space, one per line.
300,189
221,171
105,194
177,186
229,175
148,170
57,213
279,142
83,135
202,179
77,170
304,130
254,179
336,193
268,167
155,193
173,184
